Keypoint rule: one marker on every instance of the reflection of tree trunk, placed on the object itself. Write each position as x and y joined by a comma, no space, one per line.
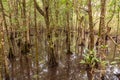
0,75
27,67
21,67
68,67
90,73
1,63
12,70
52,73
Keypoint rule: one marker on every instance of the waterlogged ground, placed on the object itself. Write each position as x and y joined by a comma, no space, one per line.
69,67
73,71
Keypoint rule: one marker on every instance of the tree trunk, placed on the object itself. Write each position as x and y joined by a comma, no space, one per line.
7,75
52,62
1,55
102,29
90,74
68,28
91,42
36,44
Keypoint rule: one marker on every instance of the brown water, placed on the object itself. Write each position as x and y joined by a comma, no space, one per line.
69,67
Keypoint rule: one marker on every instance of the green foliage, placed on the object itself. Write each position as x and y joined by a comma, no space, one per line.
4,0
63,1
35,76
91,59
23,28
104,46
115,61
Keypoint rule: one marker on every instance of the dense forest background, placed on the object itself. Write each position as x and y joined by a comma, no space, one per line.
59,39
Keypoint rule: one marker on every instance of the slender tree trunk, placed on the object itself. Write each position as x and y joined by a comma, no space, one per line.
36,43
24,16
56,48
118,28
102,31
68,28
90,73
1,55
21,67
52,62
102,28
50,49
7,75
91,43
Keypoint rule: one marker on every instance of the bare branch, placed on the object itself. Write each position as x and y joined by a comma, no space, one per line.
38,8
111,15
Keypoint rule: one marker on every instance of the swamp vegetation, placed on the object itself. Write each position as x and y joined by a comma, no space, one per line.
59,39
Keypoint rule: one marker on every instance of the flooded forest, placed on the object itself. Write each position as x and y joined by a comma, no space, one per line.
59,39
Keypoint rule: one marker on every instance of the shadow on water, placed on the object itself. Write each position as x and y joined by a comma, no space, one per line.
59,73
67,66
52,73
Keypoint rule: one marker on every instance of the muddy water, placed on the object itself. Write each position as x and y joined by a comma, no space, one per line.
69,67
72,70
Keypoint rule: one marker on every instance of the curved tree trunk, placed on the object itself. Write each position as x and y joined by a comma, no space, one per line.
52,62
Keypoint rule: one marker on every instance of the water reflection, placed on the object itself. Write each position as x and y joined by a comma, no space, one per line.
52,73
68,69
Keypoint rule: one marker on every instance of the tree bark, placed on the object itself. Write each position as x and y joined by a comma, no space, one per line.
50,46
36,42
91,43
90,73
102,29
68,28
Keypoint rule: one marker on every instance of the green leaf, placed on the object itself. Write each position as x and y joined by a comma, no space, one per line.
82,62
35,76
113,62
117,58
